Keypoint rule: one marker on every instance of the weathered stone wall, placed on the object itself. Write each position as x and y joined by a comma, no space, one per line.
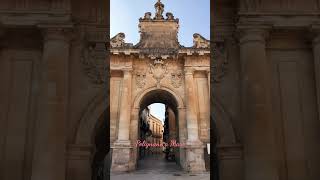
269,91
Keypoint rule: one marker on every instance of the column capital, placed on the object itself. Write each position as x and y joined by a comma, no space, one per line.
189,70
315,31
62,32
253,33
127,70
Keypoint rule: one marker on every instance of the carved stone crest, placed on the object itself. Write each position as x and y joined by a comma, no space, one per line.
140,78
176,79
158,69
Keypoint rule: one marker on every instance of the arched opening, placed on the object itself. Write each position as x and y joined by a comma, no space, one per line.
101,145
158,139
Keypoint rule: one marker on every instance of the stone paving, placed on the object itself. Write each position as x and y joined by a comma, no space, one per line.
156,168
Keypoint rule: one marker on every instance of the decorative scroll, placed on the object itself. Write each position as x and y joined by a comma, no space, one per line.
219,62
200,42
118,41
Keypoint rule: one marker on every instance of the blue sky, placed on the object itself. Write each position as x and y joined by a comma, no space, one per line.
158,110
194,17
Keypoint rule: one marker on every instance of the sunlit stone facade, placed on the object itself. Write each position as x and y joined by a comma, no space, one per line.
159,69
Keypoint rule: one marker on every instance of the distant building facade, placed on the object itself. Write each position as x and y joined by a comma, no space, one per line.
151,131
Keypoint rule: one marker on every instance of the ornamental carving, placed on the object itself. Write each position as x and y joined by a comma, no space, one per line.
158,69
219,62
140,78
176,79
200,42
93,61
118,41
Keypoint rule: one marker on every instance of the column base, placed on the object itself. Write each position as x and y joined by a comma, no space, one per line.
195,157
121,154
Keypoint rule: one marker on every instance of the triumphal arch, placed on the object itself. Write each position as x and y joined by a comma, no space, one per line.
159,70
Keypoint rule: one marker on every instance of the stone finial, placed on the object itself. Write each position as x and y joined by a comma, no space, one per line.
200,42
118,40
169,16
159,10
147,16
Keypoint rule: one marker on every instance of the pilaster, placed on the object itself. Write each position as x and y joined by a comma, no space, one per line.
122,148
50,149
259,138
316,54
194,147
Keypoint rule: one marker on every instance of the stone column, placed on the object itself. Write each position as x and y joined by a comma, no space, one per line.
194,147
314,154
50,149
134,136
316,54
259,135
121,154
3,103
209,80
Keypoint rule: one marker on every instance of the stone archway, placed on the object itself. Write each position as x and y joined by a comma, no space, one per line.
85,150
159,95
226,146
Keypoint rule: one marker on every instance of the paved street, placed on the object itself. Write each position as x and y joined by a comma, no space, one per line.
159,169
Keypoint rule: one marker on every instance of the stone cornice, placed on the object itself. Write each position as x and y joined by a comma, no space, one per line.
280,21
32,18
279,13
182,51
